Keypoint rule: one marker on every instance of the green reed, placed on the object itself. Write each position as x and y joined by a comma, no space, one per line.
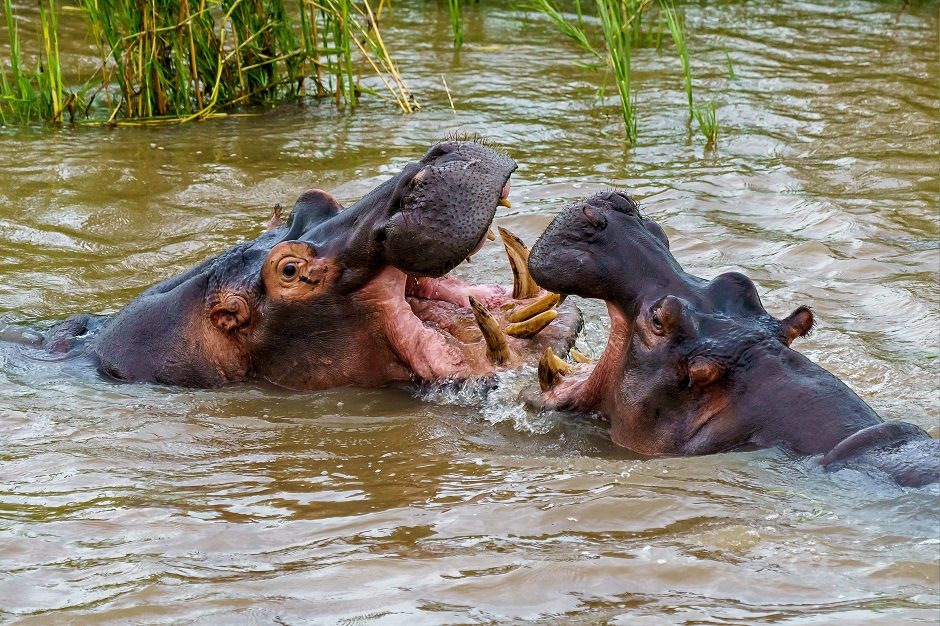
456,21
189,59
35,93
572,31
620,20
707,118
625,26
677,30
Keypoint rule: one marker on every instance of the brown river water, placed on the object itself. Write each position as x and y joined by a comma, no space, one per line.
148,504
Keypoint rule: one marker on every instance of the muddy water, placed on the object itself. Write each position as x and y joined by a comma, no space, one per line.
138,503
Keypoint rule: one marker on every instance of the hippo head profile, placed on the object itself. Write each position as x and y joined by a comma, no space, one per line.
354,296
692,366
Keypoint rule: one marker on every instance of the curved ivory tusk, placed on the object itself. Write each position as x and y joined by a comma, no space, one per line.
520,314
532,326
523,285
497,347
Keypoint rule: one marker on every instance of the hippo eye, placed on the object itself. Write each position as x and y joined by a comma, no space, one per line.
289,270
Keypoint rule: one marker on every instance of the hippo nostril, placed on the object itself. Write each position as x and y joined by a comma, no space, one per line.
665,315
658,325
596,219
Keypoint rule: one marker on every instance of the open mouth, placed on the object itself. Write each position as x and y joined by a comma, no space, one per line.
445,328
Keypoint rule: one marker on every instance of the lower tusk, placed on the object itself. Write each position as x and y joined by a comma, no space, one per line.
578,356
532,326
551,369
523,285
505,202
541,305
497,347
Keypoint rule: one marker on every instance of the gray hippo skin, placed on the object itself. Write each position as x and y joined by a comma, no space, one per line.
356,296
695,366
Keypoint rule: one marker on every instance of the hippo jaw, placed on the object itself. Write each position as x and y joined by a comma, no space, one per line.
334,296
691,366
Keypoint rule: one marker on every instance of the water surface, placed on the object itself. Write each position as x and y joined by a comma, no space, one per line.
140,503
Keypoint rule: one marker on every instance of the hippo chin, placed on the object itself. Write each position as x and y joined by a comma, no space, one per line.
356,296
694,366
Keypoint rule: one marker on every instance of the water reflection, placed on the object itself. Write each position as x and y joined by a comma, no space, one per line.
143,503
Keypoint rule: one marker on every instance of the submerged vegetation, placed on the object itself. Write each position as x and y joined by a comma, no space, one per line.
193,59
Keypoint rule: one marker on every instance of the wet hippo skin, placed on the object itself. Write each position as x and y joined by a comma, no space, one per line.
696,366
342,296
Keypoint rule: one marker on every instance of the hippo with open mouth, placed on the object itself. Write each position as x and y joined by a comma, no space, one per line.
357,296
696,366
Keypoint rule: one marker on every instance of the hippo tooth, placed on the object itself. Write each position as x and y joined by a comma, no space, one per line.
497,347
551,369
523,285
490,235
579,356
505,202
532,326
541,305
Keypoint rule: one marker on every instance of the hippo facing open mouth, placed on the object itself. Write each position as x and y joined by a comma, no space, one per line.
694,366
335,296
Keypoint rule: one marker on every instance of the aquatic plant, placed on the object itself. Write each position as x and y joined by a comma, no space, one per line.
187,59
677,30
35,93
623,31
620,20
456,21
707,118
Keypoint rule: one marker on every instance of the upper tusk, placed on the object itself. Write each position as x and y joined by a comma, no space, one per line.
505,202
497,346
490,235
541,305
532,326
523,285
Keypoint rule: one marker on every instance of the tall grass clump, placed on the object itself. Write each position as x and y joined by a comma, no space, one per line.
707,118
189,59
620,21
27,94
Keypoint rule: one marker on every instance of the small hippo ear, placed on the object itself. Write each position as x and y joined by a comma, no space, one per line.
704,371
231,313
797,324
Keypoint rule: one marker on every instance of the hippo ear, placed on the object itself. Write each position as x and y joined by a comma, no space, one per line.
704,371
231,313
312,207
797,324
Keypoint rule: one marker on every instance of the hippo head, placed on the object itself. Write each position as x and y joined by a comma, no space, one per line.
355,296
692,366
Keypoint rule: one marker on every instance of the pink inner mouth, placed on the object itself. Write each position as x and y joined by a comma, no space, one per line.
428,322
